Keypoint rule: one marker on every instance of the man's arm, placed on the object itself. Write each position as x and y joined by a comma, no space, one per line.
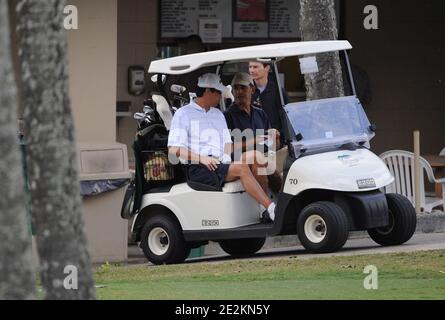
275,133
244,145
187,155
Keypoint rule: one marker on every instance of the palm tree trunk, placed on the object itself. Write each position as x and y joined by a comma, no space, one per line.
53,174
318,22
16,272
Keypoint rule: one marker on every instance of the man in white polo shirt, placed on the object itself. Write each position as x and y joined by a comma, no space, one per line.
199,135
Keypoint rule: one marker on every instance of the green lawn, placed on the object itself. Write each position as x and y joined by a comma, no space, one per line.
419,275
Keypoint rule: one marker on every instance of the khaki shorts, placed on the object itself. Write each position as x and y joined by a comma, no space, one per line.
279,157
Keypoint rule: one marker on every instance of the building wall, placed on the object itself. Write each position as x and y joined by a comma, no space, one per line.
93,61
405,64
137,36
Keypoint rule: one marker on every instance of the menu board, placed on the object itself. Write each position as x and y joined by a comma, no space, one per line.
180,18
284,19
239,18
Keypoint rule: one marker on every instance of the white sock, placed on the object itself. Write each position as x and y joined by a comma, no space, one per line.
271,210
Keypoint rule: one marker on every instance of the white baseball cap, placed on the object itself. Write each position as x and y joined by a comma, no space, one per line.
211,80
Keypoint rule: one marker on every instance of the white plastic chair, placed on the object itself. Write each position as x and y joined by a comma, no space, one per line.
442,153
401,165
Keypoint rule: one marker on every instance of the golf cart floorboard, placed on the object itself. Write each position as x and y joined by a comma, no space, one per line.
257,230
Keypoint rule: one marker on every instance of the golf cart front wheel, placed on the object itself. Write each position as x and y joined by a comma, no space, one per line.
322,227
162,241
402,222
242,247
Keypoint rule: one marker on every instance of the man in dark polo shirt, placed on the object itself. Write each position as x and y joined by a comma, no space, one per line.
266,95
243,115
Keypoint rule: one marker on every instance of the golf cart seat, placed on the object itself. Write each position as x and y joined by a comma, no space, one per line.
229,187
232,187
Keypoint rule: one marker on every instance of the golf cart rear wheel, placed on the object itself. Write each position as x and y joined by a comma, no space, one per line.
402,222
162,241
322,227
242,247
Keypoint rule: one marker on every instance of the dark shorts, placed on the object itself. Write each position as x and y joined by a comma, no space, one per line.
200,173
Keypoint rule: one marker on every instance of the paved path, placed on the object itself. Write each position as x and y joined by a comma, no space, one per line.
419,242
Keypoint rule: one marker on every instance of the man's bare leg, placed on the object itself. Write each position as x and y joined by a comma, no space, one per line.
256,161
242,172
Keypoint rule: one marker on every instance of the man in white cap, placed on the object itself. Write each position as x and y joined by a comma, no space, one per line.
199,135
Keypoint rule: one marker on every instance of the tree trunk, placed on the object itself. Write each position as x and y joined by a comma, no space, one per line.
16,272
53,174
318,22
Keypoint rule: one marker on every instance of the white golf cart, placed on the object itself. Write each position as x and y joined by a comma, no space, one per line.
331,180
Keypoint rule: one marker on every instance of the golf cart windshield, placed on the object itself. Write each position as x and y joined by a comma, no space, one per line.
329,123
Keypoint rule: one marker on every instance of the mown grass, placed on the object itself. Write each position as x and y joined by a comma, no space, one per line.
419,275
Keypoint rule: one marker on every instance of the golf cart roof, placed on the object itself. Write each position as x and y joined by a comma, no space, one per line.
191,62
